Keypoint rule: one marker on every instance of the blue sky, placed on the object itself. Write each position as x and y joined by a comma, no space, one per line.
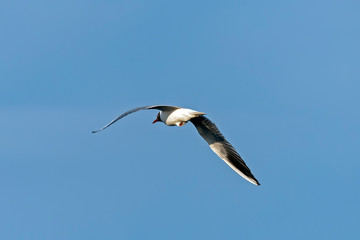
279,78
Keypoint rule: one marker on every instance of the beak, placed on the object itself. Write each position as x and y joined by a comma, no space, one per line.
156,120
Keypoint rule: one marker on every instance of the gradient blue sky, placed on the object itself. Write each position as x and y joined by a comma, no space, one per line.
279,78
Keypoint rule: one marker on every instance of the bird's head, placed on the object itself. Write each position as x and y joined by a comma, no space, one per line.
158,119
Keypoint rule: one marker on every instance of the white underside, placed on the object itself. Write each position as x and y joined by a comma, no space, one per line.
179,117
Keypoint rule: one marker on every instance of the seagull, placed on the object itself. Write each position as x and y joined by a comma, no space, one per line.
177,116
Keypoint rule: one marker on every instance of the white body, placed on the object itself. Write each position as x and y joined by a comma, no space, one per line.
178,117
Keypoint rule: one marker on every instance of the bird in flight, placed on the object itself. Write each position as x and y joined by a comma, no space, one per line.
177,116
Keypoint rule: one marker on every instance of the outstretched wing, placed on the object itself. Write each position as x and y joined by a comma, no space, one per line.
159,107
222,147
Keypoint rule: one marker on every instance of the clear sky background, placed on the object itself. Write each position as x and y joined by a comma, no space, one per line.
280,79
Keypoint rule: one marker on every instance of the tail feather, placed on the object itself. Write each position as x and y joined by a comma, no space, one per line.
197,114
